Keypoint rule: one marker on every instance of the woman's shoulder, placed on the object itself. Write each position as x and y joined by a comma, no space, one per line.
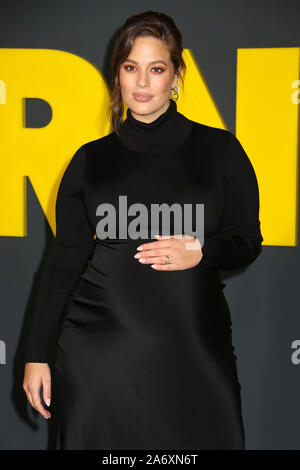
86,154
97,144
212,132
215,137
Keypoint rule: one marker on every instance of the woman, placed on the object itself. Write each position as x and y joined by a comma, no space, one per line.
143,357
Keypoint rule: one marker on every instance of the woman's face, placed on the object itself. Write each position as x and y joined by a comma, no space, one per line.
146,78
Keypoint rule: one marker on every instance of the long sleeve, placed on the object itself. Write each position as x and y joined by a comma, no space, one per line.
68,255
238,240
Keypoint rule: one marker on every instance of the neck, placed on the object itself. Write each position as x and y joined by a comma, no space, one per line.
165,133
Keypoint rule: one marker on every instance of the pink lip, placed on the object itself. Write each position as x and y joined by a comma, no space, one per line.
142,97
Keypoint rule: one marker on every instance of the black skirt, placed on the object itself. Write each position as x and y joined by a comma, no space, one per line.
145,358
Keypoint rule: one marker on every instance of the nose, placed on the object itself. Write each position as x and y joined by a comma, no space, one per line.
142,78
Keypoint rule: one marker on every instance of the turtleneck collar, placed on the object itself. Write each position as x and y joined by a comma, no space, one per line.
165,133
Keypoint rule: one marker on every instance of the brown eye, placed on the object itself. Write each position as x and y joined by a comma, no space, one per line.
158,68
126,67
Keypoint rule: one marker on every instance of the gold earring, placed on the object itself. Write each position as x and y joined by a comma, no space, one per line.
175,93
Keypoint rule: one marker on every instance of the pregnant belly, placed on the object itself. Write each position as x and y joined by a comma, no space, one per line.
123,309
117,292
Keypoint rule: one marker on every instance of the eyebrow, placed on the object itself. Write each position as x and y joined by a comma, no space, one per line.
153,62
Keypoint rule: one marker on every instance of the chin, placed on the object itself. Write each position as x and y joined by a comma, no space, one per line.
143,108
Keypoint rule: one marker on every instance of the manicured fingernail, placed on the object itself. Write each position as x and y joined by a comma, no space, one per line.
139,248
153,265
48,401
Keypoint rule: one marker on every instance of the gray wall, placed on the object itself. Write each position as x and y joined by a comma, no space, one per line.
264,299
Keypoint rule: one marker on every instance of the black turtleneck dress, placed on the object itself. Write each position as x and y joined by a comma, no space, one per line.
142,358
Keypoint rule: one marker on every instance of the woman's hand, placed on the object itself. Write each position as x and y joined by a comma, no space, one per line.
184,252
35,375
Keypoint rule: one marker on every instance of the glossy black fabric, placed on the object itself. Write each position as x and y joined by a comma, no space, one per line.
144,358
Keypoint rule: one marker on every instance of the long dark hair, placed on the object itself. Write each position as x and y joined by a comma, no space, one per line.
150,23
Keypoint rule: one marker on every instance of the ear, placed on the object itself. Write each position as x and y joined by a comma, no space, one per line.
175,81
